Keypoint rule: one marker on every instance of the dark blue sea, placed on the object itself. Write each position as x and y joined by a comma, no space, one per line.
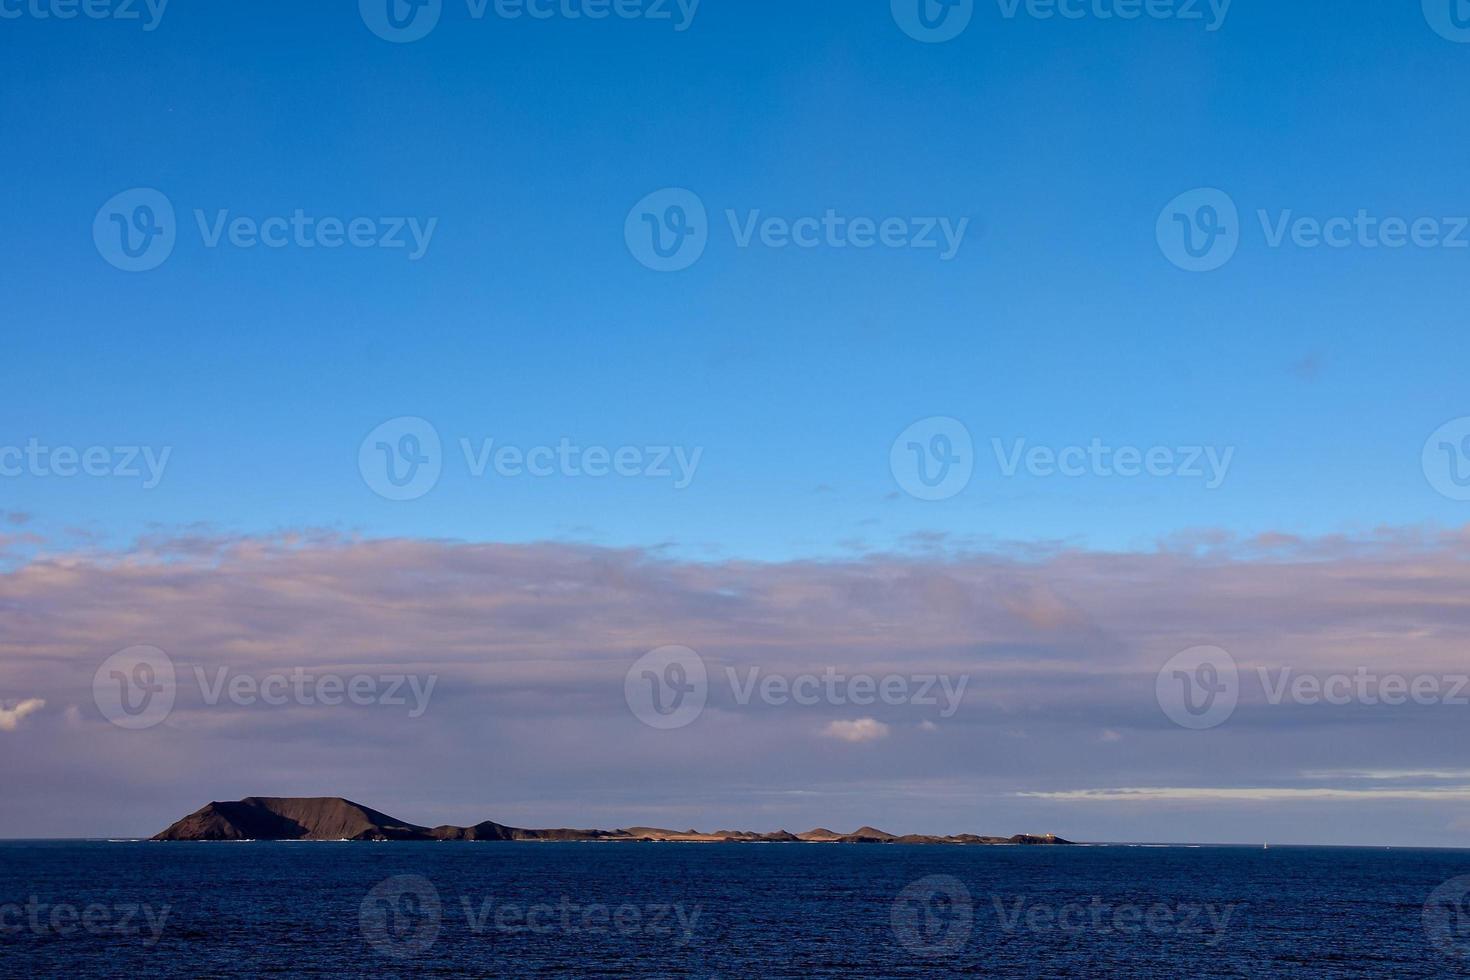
103,909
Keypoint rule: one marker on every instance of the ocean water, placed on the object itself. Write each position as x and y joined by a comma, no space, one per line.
104,909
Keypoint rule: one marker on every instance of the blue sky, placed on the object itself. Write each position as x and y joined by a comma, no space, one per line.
527,319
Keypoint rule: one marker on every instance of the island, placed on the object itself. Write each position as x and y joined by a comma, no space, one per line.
264,818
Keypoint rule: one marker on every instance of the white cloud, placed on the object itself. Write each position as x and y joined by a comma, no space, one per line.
1205,794
862,730
1387,774
10,718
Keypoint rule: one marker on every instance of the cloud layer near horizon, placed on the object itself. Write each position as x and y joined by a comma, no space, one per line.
531,643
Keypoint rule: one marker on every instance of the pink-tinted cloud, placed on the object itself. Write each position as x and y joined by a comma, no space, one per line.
856,731
13,714
530,644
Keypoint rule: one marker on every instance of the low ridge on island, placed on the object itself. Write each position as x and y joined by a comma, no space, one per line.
333,818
